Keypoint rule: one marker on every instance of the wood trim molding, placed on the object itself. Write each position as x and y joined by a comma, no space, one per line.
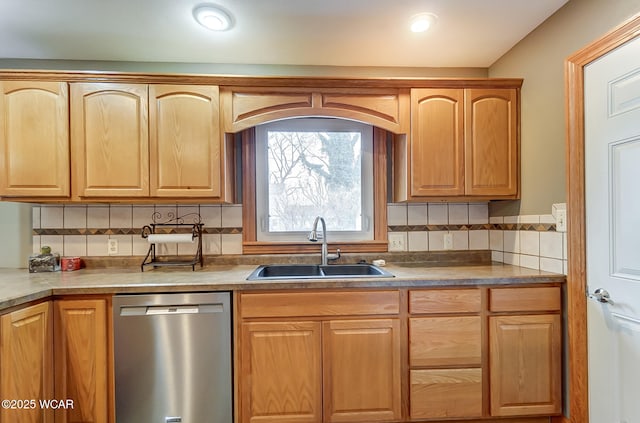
256,81
250,243
249,229
576,278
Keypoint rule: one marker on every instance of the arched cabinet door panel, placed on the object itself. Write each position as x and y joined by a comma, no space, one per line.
34,139
110,140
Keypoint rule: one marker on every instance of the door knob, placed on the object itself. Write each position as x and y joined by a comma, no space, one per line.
602,295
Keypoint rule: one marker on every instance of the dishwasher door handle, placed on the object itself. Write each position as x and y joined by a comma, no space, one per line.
170,310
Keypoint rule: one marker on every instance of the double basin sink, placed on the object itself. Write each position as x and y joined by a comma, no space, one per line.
314,271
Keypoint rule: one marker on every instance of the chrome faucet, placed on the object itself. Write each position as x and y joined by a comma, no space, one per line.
313,237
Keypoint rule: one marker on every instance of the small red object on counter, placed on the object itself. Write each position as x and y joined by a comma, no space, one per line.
70,263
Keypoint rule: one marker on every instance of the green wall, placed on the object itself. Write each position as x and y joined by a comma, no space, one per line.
539,59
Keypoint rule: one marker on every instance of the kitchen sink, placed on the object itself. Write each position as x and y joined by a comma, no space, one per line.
307,271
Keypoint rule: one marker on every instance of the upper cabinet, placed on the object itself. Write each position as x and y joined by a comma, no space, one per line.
185,147
34,139
141,141
386,108
463,143
110,140
437,143
143,138
491,142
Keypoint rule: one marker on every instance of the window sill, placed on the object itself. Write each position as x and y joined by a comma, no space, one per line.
251,247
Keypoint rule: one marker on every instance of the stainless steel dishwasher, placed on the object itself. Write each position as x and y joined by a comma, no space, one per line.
173,358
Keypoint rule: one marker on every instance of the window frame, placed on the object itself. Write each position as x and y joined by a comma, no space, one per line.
250,243
315,125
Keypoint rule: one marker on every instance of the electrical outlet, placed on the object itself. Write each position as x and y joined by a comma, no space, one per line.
448,241
112,246
561,221
397,242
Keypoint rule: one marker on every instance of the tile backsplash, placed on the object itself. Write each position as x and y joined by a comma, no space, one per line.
84,230
529,241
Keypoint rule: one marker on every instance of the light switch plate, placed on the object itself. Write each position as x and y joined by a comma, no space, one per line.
561,221
112,246
448,241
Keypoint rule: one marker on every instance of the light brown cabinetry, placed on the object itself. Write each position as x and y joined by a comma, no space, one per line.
525,351
491,142
185,147
320,361
445,354
142,141
361,363
81,359
110,140
437,142
34,139
283,362
26,364
386,108
463,143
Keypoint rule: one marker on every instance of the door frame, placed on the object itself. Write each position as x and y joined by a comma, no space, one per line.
576,245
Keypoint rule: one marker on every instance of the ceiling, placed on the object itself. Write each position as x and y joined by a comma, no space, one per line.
468,33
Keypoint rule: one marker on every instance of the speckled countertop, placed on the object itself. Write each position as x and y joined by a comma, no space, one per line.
19,287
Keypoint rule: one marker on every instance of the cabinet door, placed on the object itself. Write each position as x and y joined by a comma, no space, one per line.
437,129
491,142
525,365
34,139
26,358
280,374
185,147
361,364
80,331
109,140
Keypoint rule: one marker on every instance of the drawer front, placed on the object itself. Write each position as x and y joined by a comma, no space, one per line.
525,299
440,393
444,301
310,304
445,341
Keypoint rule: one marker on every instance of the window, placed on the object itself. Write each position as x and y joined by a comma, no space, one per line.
314,167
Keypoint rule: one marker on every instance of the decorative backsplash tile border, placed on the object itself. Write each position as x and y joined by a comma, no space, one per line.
529,241
84,230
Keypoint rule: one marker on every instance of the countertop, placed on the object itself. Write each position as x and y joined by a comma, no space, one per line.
18,286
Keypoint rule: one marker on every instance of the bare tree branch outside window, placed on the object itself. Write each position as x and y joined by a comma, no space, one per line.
314,174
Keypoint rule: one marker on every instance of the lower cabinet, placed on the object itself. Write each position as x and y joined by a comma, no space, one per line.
283,364
26,364
73,387
321,364
361,363
525,337
525,365
452,355
81,365
446,393
445,354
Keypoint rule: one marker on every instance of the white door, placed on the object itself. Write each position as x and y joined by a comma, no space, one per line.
612,177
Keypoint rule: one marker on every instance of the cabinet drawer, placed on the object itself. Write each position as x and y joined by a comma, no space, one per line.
525,299
446,393
435,341
444,301
308,304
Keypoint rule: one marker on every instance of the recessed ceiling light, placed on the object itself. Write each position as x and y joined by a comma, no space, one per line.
422,22
212,17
